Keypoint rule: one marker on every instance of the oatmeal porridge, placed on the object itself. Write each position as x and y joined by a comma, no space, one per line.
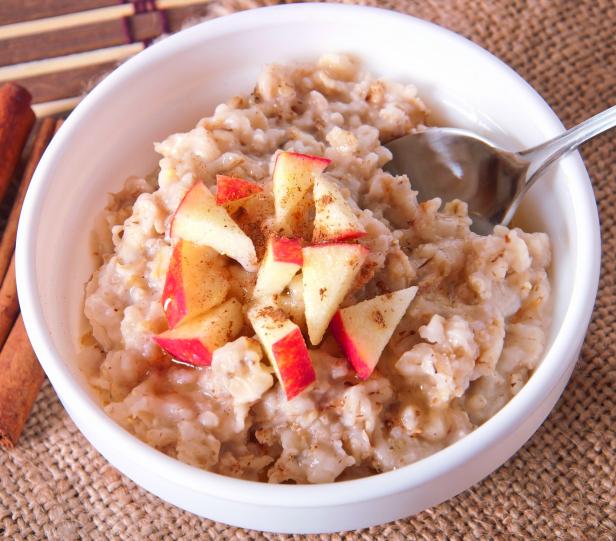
272,305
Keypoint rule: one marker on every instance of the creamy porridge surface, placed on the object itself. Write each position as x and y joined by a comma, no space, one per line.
468,341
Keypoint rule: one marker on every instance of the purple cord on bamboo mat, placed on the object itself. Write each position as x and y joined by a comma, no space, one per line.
141,7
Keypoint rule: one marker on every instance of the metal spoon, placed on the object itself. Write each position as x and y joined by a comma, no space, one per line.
457,164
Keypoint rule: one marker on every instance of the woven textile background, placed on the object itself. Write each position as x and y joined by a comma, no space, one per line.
560,485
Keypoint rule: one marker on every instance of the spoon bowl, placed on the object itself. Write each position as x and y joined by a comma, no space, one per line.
457,164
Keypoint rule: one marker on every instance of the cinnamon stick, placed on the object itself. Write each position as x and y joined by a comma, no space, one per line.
7,244
16,121
22,377
9,305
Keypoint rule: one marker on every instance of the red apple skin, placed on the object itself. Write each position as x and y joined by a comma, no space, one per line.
195,341
176,304
287,250
320,160
294,363
232,188
188,350
348,348
347,235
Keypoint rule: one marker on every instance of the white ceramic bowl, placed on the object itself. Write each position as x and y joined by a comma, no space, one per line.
168,88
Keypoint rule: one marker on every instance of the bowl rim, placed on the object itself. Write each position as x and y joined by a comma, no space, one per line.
544,379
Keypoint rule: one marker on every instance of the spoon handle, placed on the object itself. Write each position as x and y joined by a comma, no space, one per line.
540,157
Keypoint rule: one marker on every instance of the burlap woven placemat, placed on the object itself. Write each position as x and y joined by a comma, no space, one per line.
560,485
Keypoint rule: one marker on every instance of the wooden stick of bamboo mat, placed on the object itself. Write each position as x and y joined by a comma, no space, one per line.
90,16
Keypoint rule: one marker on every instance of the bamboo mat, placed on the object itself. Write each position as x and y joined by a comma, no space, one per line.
560,485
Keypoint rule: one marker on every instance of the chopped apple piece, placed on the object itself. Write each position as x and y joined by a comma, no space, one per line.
285,347
328,274
283,258
198,219
194,342
255,219
292,302
364,329
293,176
334,219
232,189
197,280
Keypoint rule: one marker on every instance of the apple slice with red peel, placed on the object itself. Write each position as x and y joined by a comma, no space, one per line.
283,258
293,176
334,219
364,329
328,274
233,189
194,341
200,220
197,280
285,347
